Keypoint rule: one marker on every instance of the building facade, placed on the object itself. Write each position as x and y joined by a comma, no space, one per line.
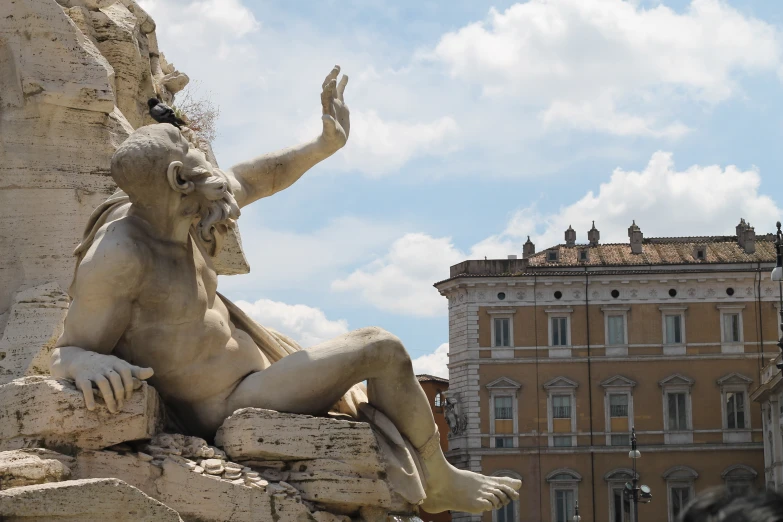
436,389
554,357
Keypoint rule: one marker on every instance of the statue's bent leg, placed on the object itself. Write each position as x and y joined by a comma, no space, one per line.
312,380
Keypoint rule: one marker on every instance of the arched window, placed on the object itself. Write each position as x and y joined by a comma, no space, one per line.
438,400
739,478
679,486
509,512
563,492
616,480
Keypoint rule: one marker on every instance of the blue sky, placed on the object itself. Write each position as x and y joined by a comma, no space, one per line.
474,125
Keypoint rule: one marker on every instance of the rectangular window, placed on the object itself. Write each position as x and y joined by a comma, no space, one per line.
618,507
678,419
504,442
680,495
559,331
731,329
503,408
673,329
551,255
561,406
621,440
502,331
616,329
564,505
506,513
562,441
618,405
735,410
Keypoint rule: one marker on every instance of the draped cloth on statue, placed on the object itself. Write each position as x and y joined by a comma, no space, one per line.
404,471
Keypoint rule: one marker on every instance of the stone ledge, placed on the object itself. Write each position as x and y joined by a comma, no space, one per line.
33,466
44,412
89,500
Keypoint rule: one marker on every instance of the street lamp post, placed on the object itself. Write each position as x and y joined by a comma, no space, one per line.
576,517
633,490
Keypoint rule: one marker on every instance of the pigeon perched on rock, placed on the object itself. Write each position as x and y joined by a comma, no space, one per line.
162,113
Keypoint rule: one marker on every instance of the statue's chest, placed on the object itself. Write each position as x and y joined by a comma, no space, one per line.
181,286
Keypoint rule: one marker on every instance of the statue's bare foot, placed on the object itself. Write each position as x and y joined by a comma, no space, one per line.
461,490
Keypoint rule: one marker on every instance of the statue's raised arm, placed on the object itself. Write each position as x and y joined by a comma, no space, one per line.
265,175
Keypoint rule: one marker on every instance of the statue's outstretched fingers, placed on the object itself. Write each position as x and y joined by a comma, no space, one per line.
117,387
331,76
127,379
108,395
341,87
501,495
495,501
142,373
86,387
486,505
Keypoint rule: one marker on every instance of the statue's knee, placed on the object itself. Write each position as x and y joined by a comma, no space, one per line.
386,348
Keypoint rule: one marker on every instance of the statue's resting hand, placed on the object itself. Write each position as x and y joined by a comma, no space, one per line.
112,376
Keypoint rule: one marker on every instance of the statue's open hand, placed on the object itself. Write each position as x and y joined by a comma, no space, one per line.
336,116
111,375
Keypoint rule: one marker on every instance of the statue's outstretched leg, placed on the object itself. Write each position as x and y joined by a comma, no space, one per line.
311,381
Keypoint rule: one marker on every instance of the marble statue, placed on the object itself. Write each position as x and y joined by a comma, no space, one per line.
457,421
145,307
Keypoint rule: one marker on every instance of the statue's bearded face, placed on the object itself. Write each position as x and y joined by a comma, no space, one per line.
213,193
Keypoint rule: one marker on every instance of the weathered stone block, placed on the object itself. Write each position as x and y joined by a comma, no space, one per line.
195,496
254,433
41,411
34,325
89,500
33,466
333,462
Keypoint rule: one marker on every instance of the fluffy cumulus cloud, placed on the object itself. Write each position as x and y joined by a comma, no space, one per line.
401,281
434,363
306,325
610,65
663,200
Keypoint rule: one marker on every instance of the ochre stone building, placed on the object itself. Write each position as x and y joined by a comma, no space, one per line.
554,357
435,388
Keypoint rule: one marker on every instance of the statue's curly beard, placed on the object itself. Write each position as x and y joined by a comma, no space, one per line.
219,206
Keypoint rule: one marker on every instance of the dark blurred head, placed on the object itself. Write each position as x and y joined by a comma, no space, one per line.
718,505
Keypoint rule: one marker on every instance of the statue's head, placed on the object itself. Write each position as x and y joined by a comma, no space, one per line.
156,162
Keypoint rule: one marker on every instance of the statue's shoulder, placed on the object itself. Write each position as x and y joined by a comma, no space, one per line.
119,250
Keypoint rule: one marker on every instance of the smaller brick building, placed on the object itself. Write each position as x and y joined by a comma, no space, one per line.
435,387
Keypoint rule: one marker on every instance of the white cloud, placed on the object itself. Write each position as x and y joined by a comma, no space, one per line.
433,363
592,64
401,281
664,201
306,325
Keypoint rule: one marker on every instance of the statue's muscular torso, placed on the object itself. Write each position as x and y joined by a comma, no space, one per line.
179,326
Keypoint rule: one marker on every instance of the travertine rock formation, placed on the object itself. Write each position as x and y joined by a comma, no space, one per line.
88,500
36,411
110,453
74,80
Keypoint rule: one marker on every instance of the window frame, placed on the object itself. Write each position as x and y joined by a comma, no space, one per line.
678,477
730,346
560,386
616,349
502,352
557,483
677,383
504,387
616,479
735,383
739,474
676,311
617,385
559,350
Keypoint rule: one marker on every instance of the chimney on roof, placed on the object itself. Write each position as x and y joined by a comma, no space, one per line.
570,236
528,249
636,237
741,232
593,235
749,239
